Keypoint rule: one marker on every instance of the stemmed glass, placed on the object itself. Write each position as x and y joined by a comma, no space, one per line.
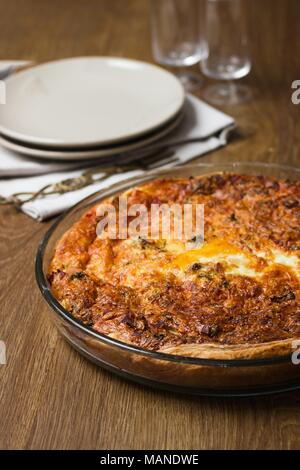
227,55
177,37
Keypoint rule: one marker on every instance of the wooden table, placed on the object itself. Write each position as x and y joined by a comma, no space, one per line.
50,397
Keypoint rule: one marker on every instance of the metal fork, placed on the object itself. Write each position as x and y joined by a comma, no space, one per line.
88,177
154,156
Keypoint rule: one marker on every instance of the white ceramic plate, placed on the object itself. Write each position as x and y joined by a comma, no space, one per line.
82,154
89,101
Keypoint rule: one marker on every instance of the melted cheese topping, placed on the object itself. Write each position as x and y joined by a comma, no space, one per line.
235,260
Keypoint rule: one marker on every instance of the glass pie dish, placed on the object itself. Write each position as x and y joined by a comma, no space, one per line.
194,375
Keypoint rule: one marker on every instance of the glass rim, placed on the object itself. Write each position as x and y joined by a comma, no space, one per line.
64,314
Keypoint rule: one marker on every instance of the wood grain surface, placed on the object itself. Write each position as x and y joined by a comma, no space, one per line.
50,397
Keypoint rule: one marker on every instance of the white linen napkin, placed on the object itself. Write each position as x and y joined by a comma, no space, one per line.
200,120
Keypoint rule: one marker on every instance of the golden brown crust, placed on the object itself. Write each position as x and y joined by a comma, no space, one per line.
235,352
242,301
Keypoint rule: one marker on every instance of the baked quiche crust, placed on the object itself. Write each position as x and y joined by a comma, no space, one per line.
234,297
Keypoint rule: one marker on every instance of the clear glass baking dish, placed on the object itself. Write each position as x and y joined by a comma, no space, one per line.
199,376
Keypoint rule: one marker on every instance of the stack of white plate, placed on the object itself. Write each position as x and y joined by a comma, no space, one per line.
91,107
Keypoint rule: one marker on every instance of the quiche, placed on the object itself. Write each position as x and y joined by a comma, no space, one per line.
234,294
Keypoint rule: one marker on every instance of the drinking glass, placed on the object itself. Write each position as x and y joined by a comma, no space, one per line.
177,37
227,55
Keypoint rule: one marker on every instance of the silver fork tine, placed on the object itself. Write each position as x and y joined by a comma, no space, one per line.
164,162
157,157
